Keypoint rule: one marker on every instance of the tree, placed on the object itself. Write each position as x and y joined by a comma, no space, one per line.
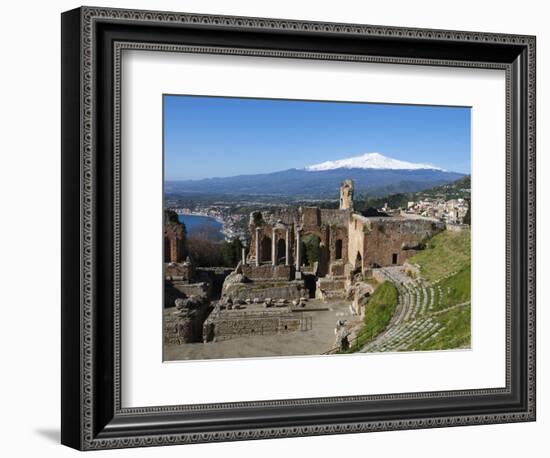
468,217
311,244
231,251
205,253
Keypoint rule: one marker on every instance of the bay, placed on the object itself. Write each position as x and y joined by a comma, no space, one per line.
203,226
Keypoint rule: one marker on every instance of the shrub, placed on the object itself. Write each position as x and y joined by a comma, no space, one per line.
379,311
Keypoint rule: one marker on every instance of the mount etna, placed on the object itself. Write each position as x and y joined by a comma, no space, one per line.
372,173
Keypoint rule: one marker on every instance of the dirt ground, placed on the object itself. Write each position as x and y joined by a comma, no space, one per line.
316,341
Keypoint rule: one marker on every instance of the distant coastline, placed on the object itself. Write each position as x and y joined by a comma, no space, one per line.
204,215
194,221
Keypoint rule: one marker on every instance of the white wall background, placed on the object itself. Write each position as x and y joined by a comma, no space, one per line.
30,240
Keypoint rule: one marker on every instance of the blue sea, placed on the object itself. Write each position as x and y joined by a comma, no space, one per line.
204,225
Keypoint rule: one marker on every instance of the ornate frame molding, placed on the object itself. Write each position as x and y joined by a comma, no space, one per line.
89,434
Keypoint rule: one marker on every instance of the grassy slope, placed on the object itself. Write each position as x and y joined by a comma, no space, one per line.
445,253
453,290
445,265
446,260
380,309
455,334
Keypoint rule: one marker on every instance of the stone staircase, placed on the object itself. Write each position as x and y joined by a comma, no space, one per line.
414,322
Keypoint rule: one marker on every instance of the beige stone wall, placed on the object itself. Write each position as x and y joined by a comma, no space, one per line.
174,242
334,217
356,238
328,289
267,272
390,241
337,268
311,216
379,241
338,233
386,241
261,290
230,324
346,195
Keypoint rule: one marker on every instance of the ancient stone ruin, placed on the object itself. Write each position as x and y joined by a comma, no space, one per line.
344,244
174,238
295,253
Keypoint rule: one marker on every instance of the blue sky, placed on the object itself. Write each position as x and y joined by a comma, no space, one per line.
218,136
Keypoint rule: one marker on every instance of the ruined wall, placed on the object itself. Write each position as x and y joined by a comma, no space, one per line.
175,238
215,277
390,241
180,289
386,241
312,225
338,242
328,289
192,289
184,322
356,239
206,283
346,195
337,268
311,217
261,290
287,215
265,234
361,293
332,216
267,272
184,271
226,325
330,225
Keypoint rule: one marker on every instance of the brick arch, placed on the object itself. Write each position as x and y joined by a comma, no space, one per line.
324,254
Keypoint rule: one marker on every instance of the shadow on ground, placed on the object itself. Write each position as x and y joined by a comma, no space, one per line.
52,435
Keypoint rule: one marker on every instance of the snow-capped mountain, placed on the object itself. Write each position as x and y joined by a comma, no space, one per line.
370,161
375,177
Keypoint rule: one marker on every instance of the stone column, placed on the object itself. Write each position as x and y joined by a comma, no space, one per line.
257,246
273,248
297,250
287,247
243,255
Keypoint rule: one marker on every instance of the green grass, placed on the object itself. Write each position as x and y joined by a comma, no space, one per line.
446,260
455,334
378,313
454,290
444,254
445,266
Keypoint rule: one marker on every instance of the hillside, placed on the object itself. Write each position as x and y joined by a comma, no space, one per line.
433,310
322,184
446,253
458,189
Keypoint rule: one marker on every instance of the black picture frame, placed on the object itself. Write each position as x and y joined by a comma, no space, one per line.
92,416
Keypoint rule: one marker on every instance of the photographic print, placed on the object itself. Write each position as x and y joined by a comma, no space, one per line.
300,227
